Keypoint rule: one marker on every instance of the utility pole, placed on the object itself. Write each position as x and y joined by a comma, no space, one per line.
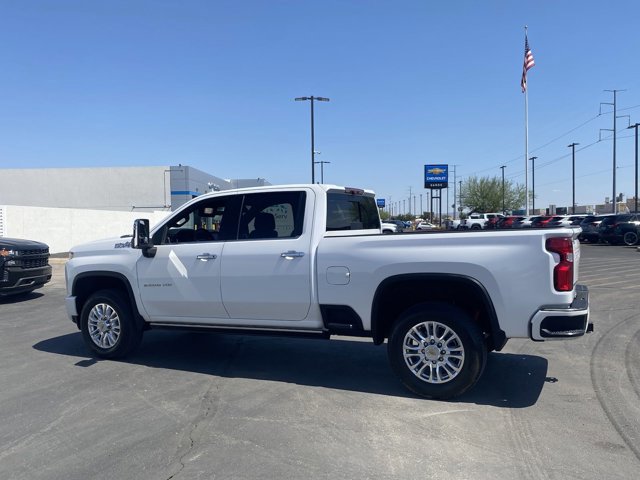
636,175
533,186
503,209
409,200
421,207
615,117
460,203
573,176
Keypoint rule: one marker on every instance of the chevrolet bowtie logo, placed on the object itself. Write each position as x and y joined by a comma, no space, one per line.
436,171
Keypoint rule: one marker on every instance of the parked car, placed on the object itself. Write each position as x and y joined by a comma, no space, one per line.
565,220
425,226
24,265
576,220
630,232
611,228
589,226
540,221
507,222
523,222
452,224
388,227
476,221
400,226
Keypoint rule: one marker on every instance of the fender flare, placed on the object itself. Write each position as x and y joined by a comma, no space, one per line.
498,335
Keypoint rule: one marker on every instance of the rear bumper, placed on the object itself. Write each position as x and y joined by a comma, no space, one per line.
563,323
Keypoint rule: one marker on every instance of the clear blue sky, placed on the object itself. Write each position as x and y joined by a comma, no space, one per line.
211,84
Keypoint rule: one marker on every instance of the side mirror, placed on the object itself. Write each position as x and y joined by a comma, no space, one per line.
141,239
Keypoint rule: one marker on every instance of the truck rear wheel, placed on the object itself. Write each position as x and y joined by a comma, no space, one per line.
437,350
108,326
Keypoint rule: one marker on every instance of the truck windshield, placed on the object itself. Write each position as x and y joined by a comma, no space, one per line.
351,212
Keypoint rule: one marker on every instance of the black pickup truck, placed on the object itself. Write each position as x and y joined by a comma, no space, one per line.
24,265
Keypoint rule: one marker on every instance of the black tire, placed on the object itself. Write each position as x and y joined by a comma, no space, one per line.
475,226
108,326
630,238
442,328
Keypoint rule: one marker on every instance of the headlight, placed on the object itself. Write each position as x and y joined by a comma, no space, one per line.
8,256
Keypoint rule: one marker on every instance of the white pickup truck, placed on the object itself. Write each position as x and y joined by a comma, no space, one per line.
477,221
311,260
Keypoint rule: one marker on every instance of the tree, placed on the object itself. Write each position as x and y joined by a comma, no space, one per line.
485,194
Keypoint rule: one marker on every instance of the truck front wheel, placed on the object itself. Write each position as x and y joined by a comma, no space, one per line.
108,326
437,350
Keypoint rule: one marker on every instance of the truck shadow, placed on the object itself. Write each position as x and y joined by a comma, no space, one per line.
509,380
20,297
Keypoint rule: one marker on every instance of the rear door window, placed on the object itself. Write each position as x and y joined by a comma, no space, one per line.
272,215
347,211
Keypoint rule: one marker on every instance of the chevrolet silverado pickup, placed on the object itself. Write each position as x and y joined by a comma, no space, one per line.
24,266
312,260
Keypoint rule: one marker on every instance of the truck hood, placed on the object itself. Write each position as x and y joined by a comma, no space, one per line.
20,244
106,246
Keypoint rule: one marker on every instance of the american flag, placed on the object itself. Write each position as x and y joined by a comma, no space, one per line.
528,63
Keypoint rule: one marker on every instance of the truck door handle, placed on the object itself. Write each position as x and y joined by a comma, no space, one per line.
291,254
205,257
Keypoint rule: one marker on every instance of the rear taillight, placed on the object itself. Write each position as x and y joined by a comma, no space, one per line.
563,271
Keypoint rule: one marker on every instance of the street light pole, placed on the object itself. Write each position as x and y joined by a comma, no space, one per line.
533,185
313,158
322,162
502,168
636,176
573,176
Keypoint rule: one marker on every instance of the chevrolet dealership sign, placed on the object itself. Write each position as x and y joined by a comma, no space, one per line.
436,176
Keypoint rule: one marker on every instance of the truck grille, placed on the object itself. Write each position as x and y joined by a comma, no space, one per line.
33,258
35,251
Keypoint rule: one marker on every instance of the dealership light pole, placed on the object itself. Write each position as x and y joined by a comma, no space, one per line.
573,176
322,162
533,186
502,168
635,180
313,163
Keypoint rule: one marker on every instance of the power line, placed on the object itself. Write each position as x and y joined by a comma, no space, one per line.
559,137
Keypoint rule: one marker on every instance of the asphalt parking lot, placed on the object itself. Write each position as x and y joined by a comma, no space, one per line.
203,406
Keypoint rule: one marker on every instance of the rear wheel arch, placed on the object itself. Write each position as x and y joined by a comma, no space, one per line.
395,295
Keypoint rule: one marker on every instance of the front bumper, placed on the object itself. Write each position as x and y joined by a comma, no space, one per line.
72,309
562,323
14,280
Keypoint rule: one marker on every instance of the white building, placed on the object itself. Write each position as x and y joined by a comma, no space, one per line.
66,206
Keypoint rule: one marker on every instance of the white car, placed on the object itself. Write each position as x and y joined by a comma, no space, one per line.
425,226
388,227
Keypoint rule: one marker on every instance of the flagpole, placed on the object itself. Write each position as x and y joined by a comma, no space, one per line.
526,142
